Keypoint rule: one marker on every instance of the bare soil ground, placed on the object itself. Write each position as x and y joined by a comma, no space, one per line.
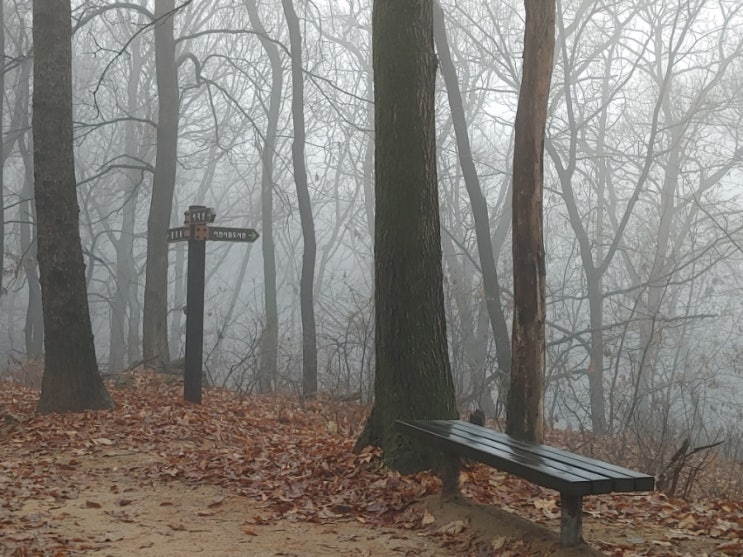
98,507
109,513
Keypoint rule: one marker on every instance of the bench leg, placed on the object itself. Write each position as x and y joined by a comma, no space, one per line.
449,473
571,522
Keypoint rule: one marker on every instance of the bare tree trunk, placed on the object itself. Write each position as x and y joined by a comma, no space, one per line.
413,376
126,279
155,323
491,284
71,381
33,329
268,365
525,418
306,284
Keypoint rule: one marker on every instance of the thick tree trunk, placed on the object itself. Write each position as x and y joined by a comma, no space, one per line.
491,284
306,283
413,376
268,364
71,381
2,154
525,417
155,322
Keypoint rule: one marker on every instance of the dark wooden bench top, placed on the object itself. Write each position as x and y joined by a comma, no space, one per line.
572,475
568,473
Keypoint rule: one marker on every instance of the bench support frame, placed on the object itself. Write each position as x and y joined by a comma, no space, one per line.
449,473
572,475
571,520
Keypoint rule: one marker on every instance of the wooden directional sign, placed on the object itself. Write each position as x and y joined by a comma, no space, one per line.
223,234
197,233
179,234
198,214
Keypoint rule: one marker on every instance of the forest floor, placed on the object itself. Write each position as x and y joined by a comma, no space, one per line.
269,476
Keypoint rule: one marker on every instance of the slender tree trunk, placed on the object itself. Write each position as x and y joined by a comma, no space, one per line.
268,365
71,381
155,323
413,376
525,417
33,329
650,335
306,284
126,279
491,284
593,268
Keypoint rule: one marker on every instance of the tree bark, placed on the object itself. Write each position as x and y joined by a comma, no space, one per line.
306,284
2,154
525,417
71,381
268,365
155,313
491,284
413,375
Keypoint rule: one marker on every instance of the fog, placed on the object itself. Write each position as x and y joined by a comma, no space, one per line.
643,170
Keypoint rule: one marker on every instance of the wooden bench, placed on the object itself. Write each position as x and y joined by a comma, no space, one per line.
572,475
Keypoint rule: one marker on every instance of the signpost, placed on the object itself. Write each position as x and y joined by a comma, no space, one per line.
197,233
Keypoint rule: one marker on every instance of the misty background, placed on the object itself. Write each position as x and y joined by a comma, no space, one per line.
643,198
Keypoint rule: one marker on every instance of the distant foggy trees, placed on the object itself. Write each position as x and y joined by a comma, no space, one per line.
304,203
640,198
480,214
268,364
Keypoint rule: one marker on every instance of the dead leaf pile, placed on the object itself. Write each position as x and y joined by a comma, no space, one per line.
289,456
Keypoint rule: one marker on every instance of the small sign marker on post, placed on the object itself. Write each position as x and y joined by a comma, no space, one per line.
196,232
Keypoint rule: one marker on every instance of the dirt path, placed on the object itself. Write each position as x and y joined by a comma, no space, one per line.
101,510
99,507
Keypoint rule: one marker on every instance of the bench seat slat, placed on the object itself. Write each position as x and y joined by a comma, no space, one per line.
566,472
536,472
546,450
624,479
502,443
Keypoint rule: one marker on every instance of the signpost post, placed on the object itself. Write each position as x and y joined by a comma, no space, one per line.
196,231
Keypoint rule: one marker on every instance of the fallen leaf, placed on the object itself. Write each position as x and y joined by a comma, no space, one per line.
428,518
92,505
102,441
731,548
454,527
111,537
